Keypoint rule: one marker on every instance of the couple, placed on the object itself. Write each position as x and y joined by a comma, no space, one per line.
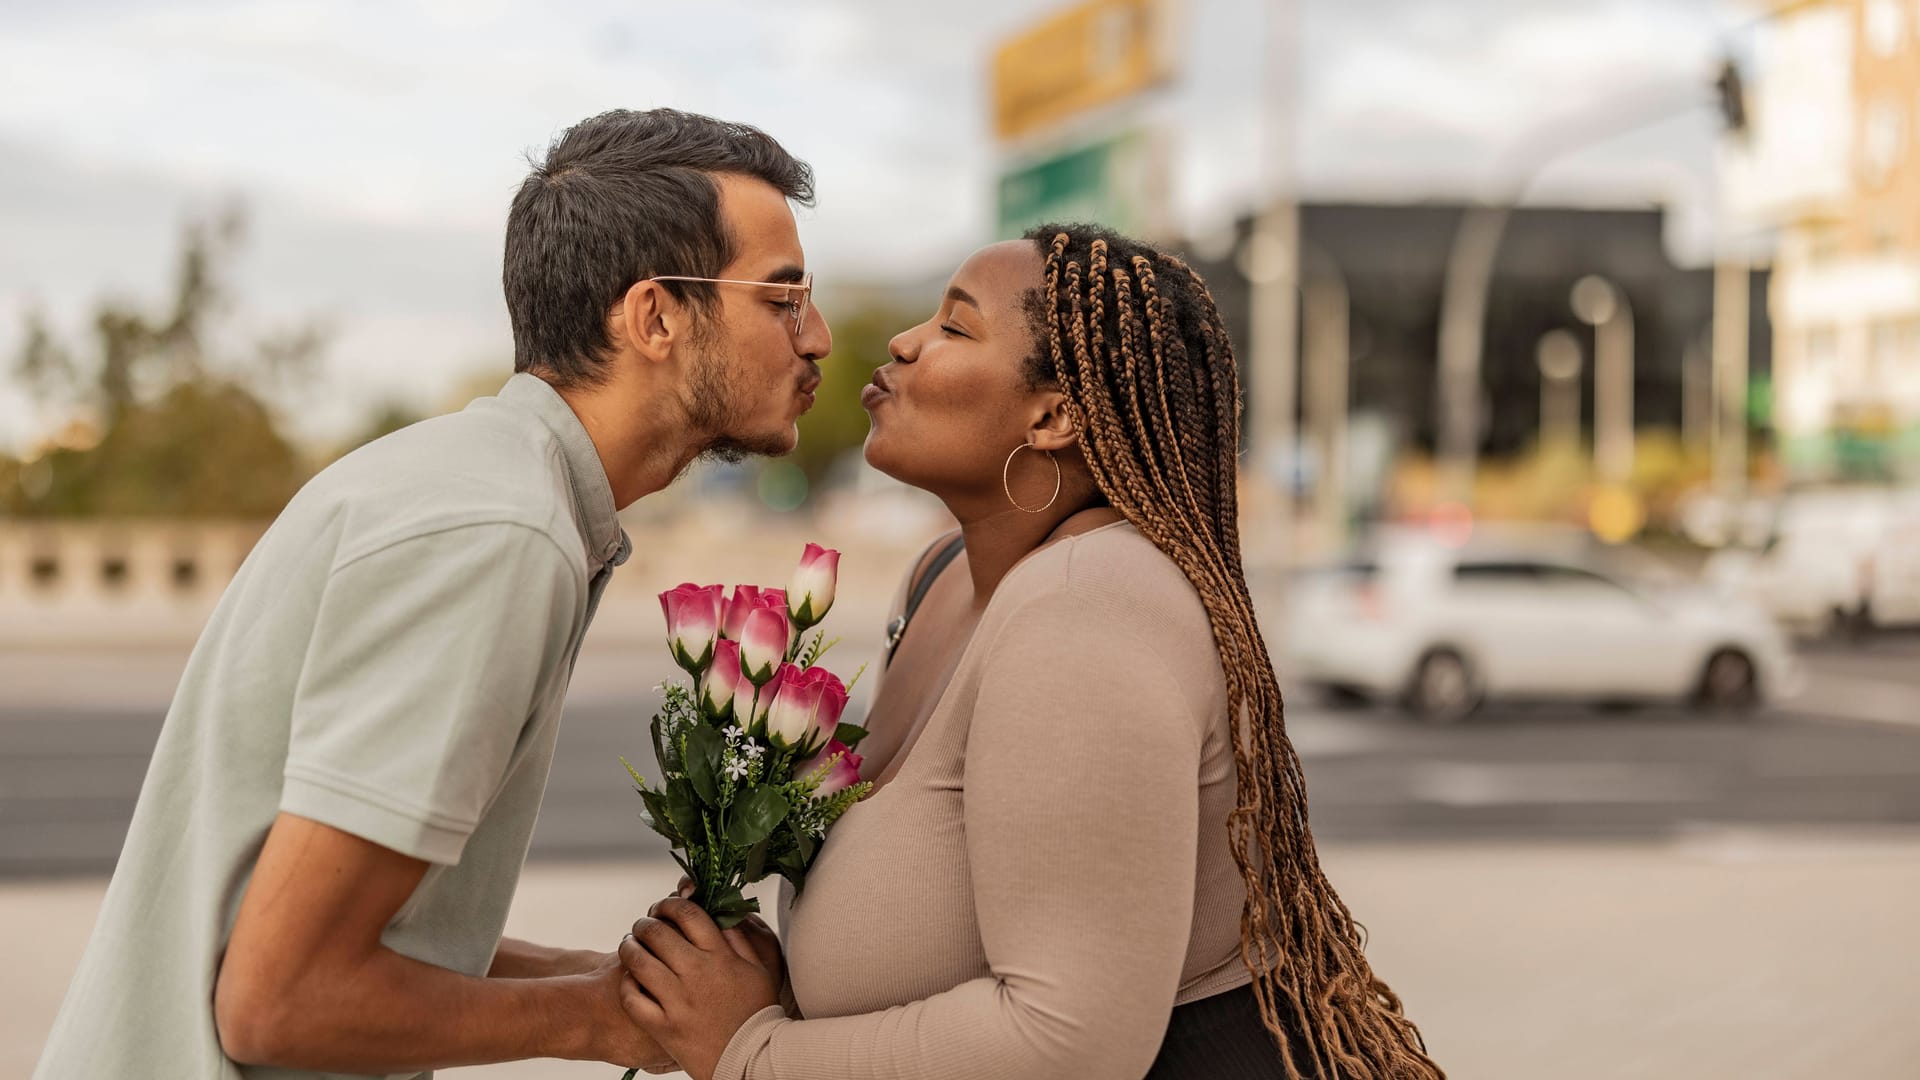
1087,852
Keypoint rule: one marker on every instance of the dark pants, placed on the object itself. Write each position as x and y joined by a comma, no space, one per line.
1221,1038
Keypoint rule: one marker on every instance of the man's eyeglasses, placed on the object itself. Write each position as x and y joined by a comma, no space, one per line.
799,294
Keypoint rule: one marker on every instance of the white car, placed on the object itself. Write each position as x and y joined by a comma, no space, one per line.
1893,568
1442,630
1815,572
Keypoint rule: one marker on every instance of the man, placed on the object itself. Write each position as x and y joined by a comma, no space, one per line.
330,833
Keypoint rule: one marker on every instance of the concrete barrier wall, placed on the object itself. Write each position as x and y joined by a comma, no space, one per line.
152,584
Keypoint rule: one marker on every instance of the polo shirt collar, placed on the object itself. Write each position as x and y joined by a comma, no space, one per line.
607,543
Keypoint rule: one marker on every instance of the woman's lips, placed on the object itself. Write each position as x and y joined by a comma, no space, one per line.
876,391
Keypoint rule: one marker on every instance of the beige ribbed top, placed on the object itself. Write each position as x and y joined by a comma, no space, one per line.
1047,874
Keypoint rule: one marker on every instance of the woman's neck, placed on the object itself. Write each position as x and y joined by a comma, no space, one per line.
998,541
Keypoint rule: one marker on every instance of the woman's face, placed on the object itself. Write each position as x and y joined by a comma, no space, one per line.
954,402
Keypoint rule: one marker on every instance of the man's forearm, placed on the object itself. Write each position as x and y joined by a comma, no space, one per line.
396,1014
516,959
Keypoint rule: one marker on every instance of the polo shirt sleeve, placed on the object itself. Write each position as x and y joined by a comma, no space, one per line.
428,658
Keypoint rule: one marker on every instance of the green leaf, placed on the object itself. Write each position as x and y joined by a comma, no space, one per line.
662,816
756,865
755,815
683,809
702,747
851,734
793,867
803,842
730,919
683,863
662,748
856,678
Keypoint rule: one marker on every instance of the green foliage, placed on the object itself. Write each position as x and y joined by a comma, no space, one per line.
754,817
163,422
205,449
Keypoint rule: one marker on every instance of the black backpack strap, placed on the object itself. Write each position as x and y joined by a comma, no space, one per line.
929,573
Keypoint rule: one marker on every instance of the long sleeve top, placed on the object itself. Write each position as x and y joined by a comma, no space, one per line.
1047,874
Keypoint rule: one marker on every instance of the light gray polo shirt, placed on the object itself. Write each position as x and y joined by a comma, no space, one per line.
390,661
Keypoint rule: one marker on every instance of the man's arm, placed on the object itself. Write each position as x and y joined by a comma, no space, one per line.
305,982
516,959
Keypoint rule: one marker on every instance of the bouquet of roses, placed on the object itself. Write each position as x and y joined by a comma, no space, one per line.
756,763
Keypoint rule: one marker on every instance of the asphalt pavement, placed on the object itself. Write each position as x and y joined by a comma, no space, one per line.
76,732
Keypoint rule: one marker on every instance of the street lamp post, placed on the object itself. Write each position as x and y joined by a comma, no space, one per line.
1327,330
1271,261
1599,304
1560,360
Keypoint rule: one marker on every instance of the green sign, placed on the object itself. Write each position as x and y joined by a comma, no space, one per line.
1108,182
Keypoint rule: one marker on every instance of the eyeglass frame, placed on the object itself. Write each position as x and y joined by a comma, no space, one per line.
804,285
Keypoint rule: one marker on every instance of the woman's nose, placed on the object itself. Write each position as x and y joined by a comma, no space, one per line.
905,347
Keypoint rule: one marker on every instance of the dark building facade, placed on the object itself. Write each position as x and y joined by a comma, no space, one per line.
1393,260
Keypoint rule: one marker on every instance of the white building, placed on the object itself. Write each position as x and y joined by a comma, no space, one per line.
1831,167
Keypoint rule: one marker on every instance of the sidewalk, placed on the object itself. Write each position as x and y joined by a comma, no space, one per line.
1782,955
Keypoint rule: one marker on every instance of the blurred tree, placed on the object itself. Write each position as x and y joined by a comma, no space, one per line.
160,422
837,423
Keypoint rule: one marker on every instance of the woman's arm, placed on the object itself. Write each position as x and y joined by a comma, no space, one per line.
1081,814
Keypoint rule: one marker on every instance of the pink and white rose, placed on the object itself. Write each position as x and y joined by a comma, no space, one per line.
693,622
763,643
747,599
722,682
838,765
810,591
805,714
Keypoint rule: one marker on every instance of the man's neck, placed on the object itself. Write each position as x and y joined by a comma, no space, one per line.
642,441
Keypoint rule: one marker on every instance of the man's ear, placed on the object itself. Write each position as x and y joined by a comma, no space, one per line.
1057,426
647,320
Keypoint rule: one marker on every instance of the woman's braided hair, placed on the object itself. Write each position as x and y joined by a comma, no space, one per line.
1132,337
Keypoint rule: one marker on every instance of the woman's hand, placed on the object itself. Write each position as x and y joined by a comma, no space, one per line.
692,985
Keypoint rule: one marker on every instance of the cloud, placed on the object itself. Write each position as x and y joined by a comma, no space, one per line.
380,141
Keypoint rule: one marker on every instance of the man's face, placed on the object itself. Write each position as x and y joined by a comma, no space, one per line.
751,376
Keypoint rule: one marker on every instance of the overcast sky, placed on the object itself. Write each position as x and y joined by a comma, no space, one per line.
377,143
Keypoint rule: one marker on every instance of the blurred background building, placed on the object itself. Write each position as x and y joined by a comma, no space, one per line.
1829,168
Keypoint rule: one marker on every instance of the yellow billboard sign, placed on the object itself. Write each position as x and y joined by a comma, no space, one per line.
1088,55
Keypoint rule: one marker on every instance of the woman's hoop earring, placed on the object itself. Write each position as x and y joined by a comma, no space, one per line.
1006,484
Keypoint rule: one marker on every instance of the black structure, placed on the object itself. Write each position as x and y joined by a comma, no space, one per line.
1393,259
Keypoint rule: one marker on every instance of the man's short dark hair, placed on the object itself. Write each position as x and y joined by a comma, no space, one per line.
620,197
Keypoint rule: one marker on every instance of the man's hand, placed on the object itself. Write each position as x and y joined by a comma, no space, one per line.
692,984
623,1042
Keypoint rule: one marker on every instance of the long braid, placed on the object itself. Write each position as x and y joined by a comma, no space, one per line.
1145,359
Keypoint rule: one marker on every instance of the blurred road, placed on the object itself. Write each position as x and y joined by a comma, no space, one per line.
76,731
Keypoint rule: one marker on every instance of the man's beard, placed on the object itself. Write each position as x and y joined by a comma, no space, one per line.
711,408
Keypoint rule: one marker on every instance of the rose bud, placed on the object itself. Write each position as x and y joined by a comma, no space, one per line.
763,643
841,768
693,621
733,620
721,682
807,711
833,702
810,592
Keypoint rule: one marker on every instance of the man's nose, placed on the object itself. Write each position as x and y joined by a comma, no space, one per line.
816,337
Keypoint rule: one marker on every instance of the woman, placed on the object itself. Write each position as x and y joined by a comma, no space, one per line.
1073,863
